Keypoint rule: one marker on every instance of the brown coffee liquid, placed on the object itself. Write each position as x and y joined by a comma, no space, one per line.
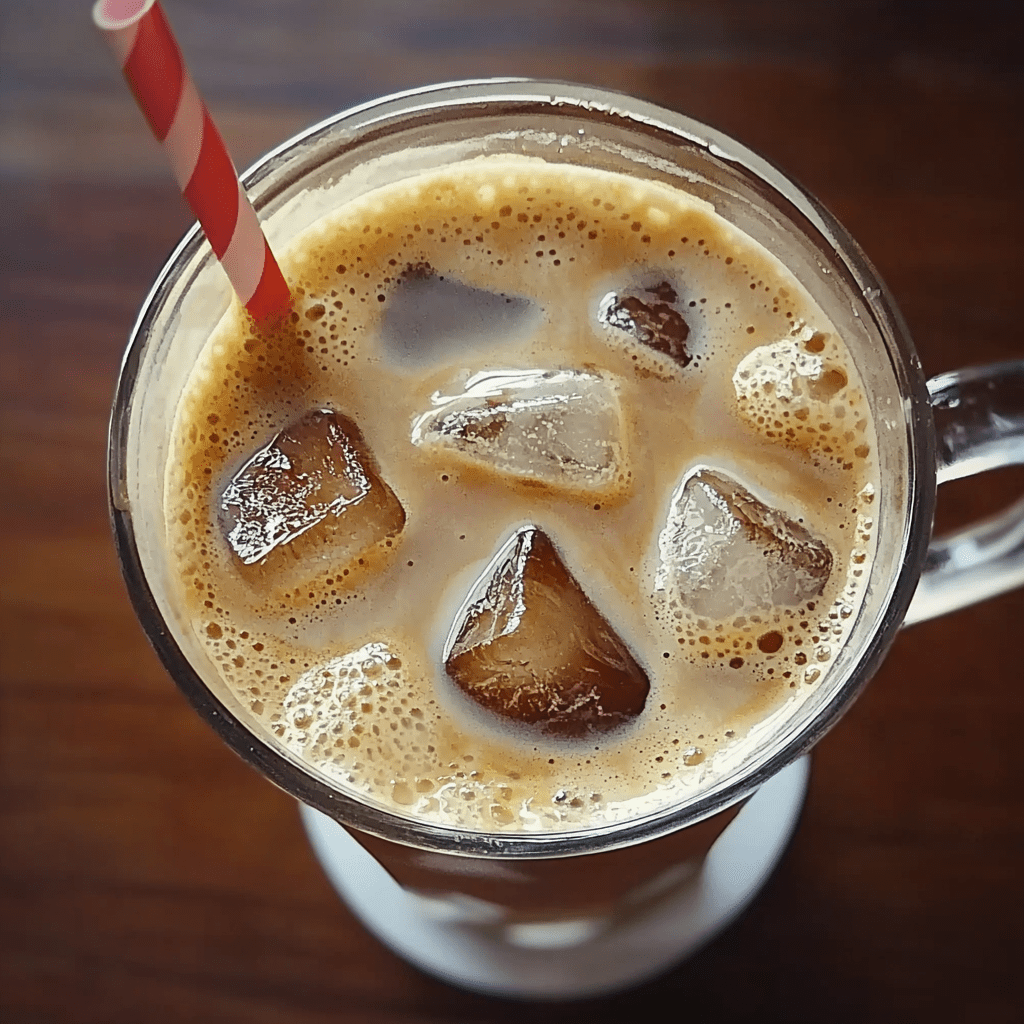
342,661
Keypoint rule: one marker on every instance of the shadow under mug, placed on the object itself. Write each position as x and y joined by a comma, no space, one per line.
928,432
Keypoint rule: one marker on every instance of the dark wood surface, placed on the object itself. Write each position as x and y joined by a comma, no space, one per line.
146,874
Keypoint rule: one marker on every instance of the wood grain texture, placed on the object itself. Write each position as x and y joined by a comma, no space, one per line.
148,875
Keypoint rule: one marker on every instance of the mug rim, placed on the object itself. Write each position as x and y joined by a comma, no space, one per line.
351,128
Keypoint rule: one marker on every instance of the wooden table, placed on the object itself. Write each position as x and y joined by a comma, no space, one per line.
146,874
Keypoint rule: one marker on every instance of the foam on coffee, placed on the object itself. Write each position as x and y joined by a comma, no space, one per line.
344,665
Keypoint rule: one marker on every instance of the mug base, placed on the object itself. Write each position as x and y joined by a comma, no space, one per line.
632,951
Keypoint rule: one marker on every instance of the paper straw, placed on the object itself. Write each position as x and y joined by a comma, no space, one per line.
151,60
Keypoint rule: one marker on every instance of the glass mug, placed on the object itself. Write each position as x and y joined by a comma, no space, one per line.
561,914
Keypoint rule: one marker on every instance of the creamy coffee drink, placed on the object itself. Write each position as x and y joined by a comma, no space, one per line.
554,488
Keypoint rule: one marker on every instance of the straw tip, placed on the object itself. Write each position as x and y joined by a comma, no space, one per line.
271,307
112,15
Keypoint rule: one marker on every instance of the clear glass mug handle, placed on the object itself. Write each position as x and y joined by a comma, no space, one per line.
979,426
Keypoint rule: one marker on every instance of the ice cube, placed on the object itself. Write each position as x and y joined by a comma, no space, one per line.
559,427
793,372
430,317
530,646
313,493
650,318
328,700
724,553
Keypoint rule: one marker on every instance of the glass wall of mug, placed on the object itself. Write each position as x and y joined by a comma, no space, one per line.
388,141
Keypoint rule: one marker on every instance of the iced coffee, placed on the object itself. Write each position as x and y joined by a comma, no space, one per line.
555,487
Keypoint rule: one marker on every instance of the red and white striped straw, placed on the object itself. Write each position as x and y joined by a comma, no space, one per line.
143,43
